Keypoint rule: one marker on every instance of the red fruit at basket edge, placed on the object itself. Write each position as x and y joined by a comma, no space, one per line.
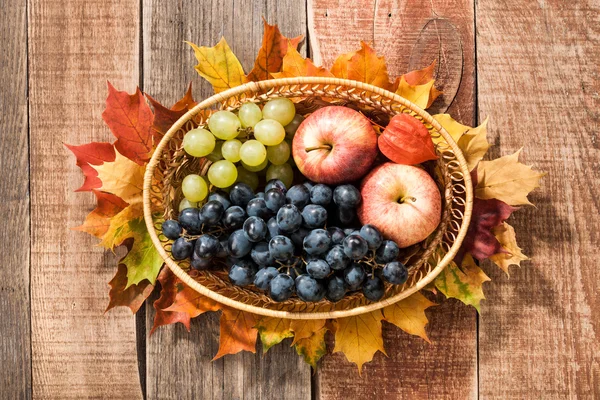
407,141
402,201
335,144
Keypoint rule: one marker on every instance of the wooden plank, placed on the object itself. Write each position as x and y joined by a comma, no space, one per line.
402,31
178,362
539,82
74,47
15,340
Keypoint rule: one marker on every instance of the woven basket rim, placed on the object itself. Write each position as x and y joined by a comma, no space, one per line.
266,85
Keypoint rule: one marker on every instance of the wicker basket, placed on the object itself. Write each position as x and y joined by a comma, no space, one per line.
170,164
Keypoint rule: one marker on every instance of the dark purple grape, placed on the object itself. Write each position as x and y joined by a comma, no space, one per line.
395,272
355,246
276,184
242,272
281,287
346,215
221,197
181,249
273,228
314,216
318,269
264,276
260,254
317,242
354,276
289,218
255,229
207,246
257,207
240,194
387,252
372,236
238,244
274,199
337,258
171,229
373,288
346,196
281,248
234,217
336,289
298,195
200,263
189,219
337,234
309,289
321,194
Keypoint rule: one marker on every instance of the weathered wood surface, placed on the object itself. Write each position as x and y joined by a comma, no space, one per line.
400,31
178,363
15,331
539,82
74,47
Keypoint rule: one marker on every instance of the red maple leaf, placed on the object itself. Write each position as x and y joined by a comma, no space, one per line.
92,154
165,117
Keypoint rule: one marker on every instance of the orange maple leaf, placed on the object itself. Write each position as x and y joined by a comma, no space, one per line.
362,65
237,332
170,285
132,296
189,301
98,221
296,65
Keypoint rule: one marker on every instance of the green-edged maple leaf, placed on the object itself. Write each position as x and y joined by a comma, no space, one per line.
130,119
165,117
409,314
296,65
271,53
362,65
170,286
92,154
123,178
464,283
118,228
143,260
132,296
272,331
511,254
98,221
359,337
506,179
312,348
237,332
189,301
219,66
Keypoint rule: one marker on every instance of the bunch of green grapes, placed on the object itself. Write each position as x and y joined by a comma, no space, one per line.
242,145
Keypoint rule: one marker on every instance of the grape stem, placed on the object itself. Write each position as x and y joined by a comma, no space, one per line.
321,147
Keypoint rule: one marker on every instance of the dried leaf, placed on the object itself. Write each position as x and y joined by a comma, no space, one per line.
406,141
465,283
270,55
418,94
92,154
219,66
454,128
189,301
364,66
170,286
237,332
132,297
312,348
409,314
474,144
143,260
123,178
512,254
130,119
506,179
359,337
296,65
164,117
98,221
305,328
272,331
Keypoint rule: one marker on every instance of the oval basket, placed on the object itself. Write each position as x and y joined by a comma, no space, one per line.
170,164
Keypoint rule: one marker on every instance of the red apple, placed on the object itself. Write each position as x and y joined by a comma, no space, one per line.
402,201
334,145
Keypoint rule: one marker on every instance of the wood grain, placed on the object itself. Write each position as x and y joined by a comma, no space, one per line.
74,47
178,362
539,82
15,337
415,369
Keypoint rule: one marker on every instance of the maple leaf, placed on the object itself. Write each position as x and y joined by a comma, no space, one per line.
237,332
473,144
130,119
296,65
453,127
272,331
415,83
143,260
364,66
506,179
359,337
270,55
305,328
133,296
98,221
91,154
219,66
419,76
418,94
409,314
165,117
123,178
511,254
189,301
312,348
406,141
118,229
170,286
465,283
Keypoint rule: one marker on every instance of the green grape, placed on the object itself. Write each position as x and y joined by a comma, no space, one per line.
278,154
292,127
224,125
194,188
222,174
269,132
248,177
281,110
256,168
282,172
185,203
231,150
253,153
249,115
216,154
198,142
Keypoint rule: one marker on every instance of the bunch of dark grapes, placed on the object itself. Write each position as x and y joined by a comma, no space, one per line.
304,240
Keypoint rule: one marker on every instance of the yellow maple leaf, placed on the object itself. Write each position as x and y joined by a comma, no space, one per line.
305,328
474,144
364,66
123,178
507,180
453,127
507,238
359,337
465,283
296,65
219,66
313,347
272,331
143,260
418,94
409,314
